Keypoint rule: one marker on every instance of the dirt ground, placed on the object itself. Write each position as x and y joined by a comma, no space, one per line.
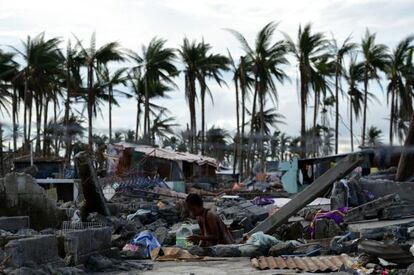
223,266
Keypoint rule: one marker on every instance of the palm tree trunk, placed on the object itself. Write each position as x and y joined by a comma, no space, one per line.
90,105
25,112
203,121
261,144
67,109
237,146
14,113
29,122
146,112
336,108
45,136
392,115
193,124
351,123
364,122
137,123
250,149
315,118
243,95
55,125
110,113
39,108
303,94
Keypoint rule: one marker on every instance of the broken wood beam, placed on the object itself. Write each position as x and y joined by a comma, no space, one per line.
372,209
342,169
92,191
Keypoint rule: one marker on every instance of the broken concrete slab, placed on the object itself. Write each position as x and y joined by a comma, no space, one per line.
20,195
343,168
81,244
381,188
33,251
14,223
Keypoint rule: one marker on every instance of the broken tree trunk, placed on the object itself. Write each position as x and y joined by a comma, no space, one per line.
343,168
405,169
92,192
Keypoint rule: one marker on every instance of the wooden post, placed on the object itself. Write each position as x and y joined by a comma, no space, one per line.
344,167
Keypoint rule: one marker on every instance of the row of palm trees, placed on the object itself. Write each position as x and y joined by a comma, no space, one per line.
49,76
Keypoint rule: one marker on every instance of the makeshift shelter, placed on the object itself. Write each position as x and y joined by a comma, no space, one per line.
167,164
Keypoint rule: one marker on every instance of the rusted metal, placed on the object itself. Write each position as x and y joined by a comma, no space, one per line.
307,264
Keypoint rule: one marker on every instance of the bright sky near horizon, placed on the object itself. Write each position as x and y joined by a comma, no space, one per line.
135,22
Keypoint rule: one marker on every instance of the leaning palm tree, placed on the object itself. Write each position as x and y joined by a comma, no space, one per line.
156,65
339,52
93,57
396,71
375,59
308,49
266,60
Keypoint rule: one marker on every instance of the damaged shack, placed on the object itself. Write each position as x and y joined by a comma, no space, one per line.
166,164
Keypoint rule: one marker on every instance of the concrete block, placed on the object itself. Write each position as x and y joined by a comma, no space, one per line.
81,244
14,223
33,251
20,195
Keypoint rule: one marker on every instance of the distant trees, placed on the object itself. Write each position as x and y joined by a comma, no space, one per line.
44,89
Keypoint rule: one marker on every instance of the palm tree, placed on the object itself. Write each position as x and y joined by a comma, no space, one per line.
354,76
211,67
154,90
266,60
375,58
92,58
42,59
308,49
216,142
110,80
157,66
374,136
396,71
72,63
162,126
193,56
339,52
8,72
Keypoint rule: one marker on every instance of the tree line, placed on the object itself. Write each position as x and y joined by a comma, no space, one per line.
42,81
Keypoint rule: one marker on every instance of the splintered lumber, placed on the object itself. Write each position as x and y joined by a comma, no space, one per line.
92,191
315,189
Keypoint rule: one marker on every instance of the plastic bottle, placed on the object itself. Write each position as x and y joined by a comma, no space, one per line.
181,236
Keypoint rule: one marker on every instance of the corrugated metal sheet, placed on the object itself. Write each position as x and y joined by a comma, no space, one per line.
169,154
307,264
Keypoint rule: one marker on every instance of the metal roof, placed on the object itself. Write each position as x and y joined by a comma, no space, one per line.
170,154
307,264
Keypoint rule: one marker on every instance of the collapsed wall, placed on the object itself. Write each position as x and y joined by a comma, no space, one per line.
20,195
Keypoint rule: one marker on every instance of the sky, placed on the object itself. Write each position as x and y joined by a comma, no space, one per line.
134,22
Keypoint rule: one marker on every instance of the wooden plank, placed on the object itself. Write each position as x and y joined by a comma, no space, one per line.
301,199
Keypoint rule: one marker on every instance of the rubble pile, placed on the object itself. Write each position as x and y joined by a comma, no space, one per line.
364,225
